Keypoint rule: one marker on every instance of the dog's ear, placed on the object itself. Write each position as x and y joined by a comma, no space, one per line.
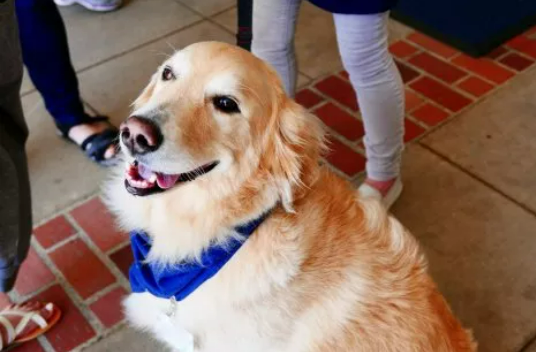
297,147
146,94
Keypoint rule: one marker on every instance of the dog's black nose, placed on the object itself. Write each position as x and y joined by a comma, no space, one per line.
140,135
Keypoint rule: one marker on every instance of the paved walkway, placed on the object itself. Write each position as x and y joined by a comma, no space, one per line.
469,167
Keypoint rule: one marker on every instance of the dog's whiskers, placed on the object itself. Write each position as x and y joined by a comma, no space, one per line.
171,46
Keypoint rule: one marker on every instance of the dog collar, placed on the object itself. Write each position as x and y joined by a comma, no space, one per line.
178,281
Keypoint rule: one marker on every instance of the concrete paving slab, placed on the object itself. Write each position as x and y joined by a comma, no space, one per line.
208,7
496,141
481,249
111,87
127,340
94,37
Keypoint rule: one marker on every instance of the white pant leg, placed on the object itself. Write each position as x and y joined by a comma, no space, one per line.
274,24
363,46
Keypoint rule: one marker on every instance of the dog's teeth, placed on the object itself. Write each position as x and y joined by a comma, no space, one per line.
152,179
147,184
140,183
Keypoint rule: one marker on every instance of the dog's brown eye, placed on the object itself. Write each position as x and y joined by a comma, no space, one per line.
226,104
167,74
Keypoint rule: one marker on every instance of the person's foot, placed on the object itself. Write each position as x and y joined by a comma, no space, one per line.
93,5
80,133
23,322
382,186
385,191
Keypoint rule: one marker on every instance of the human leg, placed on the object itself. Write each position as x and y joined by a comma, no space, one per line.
274,24
364,50
46,54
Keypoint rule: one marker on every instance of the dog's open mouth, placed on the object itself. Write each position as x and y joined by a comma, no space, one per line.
140,180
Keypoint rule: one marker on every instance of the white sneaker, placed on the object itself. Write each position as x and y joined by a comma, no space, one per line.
367,191
93,5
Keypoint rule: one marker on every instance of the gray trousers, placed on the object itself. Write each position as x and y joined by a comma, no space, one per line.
363,45
15,202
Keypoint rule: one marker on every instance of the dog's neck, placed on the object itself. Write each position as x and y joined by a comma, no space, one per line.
185,221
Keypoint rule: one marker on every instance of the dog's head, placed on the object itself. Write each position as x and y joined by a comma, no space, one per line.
215,114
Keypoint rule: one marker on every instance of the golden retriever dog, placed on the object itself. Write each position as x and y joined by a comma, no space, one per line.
215,143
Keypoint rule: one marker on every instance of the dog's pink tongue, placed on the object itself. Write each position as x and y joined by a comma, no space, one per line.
166,181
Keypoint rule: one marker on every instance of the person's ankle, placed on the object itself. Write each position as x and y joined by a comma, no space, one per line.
381,186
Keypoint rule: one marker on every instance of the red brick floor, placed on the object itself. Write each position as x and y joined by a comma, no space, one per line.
72,262
80,260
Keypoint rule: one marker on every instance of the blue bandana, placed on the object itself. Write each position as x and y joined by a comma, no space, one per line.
181,279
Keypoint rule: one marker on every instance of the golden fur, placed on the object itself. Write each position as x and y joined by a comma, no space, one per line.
325,272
